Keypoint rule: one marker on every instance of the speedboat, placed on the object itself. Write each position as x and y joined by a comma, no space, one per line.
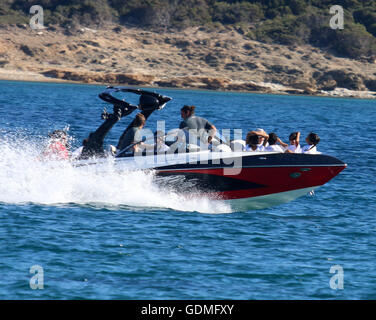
248,180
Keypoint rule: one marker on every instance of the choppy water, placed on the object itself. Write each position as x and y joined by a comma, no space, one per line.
121,237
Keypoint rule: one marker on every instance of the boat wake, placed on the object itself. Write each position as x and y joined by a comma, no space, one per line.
25,178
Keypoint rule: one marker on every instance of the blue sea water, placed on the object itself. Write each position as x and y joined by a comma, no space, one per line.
120,237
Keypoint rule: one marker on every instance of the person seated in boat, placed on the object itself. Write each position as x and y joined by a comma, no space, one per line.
252,141
159,143
273,146
312,141
132,134
262,137
58,146
93,145
196,125
131,141
294,146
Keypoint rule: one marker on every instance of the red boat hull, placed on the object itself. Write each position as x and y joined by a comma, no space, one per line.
271,180
285,175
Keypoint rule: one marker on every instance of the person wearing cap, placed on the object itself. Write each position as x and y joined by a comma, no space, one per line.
193,122
263,138
57,148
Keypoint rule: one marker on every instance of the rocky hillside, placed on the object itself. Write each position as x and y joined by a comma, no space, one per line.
287,22
196,57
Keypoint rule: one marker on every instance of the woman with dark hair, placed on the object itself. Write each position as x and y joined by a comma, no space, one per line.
312,141
273,139
294,146
192,122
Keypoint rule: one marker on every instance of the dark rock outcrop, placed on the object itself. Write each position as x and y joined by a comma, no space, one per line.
340,78
370,84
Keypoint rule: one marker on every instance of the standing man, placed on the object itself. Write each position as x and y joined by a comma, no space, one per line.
192,122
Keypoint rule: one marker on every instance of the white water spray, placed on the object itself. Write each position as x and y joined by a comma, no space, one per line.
24,178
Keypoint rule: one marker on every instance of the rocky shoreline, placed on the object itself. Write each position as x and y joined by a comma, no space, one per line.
195,58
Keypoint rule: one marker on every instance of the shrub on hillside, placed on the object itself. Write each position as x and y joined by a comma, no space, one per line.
286,22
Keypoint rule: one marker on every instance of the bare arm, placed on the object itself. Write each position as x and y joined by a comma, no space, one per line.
297,138
282,143
261,134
